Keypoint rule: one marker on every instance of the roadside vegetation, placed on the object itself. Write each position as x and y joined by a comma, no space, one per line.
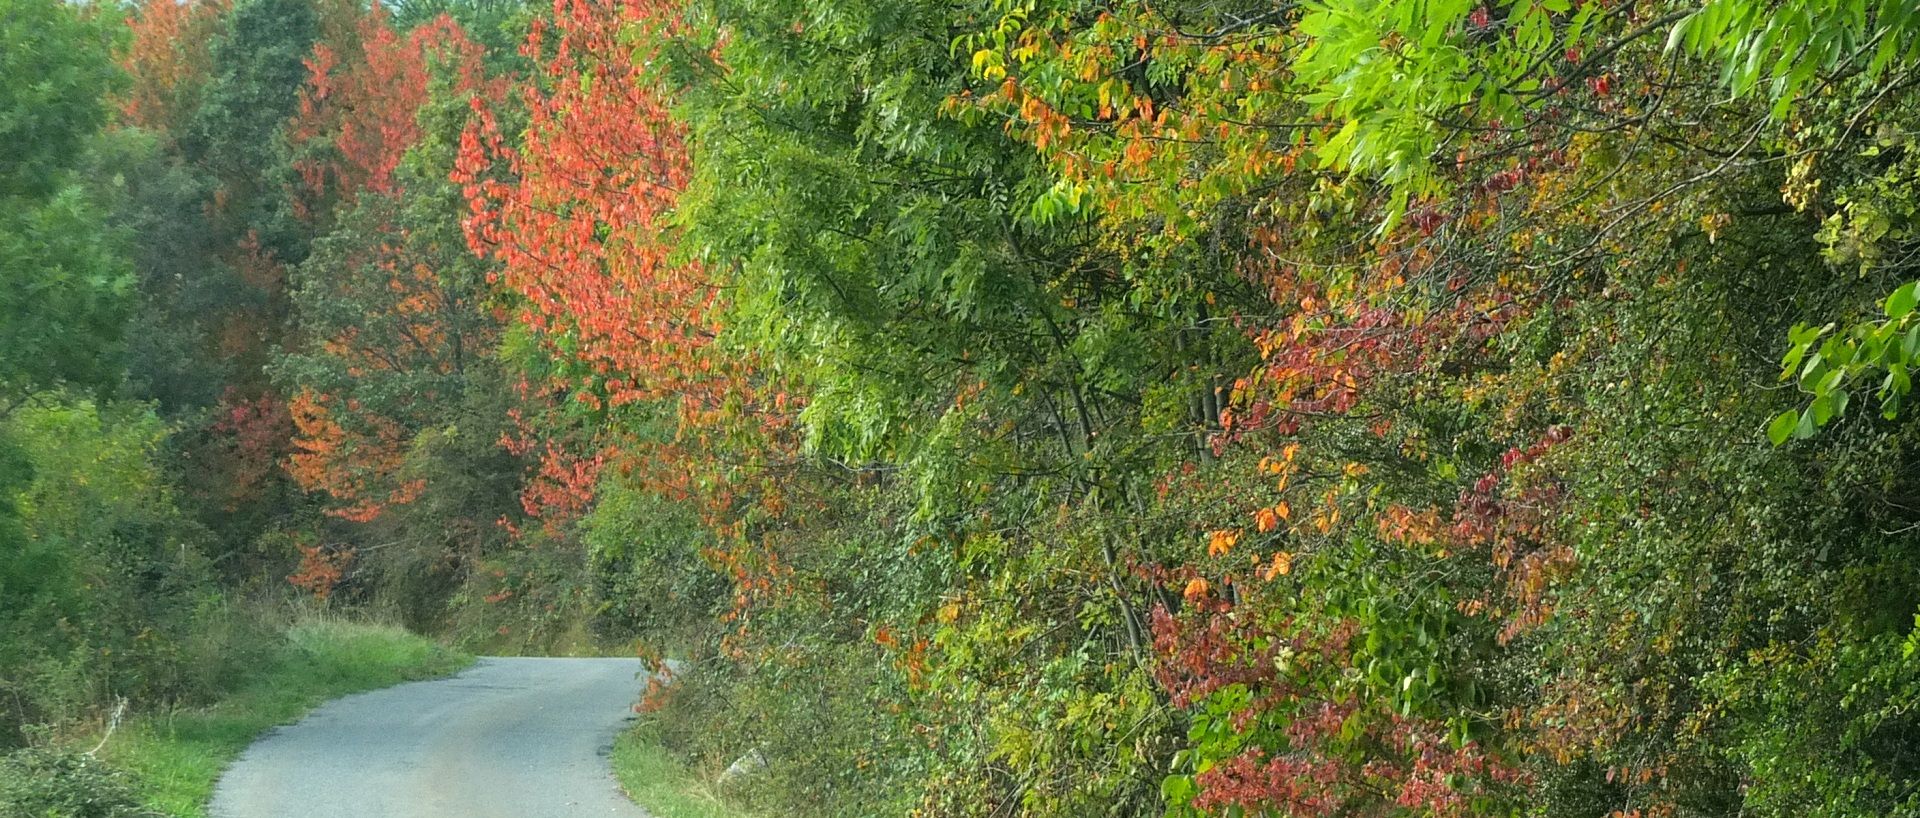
661,782
1048,408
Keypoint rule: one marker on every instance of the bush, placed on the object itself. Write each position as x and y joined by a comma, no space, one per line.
37,783
103,582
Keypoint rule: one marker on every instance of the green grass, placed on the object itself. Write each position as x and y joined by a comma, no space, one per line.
656,780
178,755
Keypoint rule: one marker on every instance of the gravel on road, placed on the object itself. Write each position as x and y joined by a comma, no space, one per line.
507,738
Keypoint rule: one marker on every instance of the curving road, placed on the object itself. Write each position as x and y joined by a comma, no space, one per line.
508,738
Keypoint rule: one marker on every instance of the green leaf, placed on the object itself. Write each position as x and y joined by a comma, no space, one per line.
1821,409
1679,32
1810,377
1902,300
1804,335
1830,381
1782,426
1806,427
1177,789
1791,360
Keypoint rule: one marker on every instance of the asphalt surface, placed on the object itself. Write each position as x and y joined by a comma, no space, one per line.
507,738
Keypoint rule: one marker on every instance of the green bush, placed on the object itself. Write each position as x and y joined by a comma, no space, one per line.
647,572
39,783
104,589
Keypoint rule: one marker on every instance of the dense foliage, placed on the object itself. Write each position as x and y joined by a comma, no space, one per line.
1042,408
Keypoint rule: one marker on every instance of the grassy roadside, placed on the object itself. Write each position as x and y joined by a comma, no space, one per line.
656,780
178,755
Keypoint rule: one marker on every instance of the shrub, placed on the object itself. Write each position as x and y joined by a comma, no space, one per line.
38,783
103,582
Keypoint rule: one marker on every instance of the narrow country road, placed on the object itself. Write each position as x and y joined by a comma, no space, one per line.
508,738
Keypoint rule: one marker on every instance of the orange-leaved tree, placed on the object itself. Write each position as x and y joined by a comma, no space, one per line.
360,110
580,218
167,60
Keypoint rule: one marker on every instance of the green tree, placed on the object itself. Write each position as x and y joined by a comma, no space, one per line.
61,313
259,66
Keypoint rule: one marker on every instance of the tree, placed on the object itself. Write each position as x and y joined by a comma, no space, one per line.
168,60
359,112
61,314
578,217
214,231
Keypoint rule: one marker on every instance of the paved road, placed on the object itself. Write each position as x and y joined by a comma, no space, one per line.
508,738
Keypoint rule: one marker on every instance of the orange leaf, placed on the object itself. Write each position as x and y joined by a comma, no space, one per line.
1222,541
1266,520
1281,566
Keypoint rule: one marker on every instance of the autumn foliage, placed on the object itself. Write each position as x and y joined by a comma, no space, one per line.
578,215
359,113
581,229
1051,410
167,60
348,468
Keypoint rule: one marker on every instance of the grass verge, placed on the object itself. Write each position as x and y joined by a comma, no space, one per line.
178,755
657,781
